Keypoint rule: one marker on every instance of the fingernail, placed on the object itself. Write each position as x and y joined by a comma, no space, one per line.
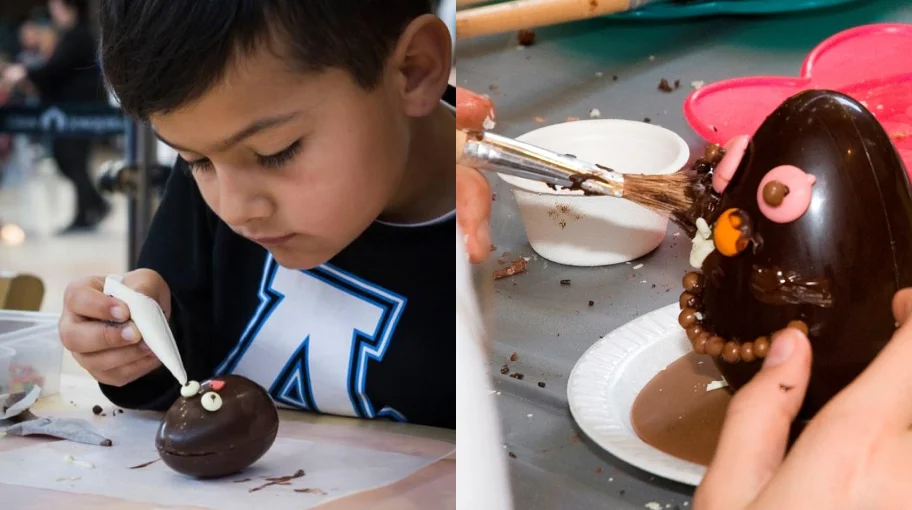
781,350
119,313
128,334
145,348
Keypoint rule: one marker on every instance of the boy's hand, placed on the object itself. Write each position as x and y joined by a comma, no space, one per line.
853,454
97,328
473,193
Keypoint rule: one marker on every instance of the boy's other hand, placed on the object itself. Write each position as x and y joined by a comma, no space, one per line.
473,193
97,328
853,454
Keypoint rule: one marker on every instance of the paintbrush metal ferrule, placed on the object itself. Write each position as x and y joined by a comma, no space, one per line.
489,151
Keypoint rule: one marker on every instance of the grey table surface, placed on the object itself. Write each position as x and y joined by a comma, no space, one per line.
567,72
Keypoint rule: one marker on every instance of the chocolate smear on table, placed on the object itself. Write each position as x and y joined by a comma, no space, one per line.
281,480
145,464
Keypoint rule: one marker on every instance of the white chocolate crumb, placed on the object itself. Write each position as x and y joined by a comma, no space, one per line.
644,281
498,393
685,504
652,57
699,363
675,235
594,113
699,316
492,392
527,259
488,123
880,107
83,463
697,84
520,47
610,479
599,74
864,103
529,415
68,479
652,505
638,266
715,385
628,263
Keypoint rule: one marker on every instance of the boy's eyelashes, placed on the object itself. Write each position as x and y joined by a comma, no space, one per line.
276,160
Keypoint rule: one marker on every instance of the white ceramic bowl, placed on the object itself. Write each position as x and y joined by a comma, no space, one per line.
569,228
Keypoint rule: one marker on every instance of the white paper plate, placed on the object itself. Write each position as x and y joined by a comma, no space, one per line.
607,379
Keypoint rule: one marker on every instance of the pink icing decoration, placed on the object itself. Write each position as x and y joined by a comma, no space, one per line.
798,199
216,384
725,170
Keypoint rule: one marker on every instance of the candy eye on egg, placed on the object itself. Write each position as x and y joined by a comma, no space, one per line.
732,232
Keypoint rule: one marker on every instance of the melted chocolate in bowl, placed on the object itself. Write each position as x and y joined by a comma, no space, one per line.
675,414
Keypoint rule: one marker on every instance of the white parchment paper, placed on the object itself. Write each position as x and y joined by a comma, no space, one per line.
330,468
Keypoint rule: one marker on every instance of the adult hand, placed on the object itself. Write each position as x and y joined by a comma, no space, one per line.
97,328
14,74
855,454
473,193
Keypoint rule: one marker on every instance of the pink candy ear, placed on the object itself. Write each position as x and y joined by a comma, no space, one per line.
798,199
725,170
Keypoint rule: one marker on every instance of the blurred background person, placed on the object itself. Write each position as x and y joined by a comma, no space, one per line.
70,74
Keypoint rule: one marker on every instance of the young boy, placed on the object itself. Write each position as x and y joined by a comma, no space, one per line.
303,238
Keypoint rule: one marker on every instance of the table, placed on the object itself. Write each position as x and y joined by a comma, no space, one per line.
431,487
567,72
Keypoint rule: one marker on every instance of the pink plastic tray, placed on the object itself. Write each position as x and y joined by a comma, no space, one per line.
871,63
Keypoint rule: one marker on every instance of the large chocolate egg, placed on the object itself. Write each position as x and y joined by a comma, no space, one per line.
813,230
217,428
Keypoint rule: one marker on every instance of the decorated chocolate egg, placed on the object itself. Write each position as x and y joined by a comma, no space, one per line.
811,222
217,428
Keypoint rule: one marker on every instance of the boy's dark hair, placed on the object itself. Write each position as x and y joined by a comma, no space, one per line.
160,54
80,6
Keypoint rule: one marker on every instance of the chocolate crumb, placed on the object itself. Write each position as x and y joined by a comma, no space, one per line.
591,303
493,248
144,464
517,375
614,77
664,86
598,470
565,282
500,262
516,267
494,197
677,84
493,87
785,388
541,384
104,414
647,120
511,455
106,442
319,492
715,130
242,480
96,410
525,37
622,492
505,369
514,357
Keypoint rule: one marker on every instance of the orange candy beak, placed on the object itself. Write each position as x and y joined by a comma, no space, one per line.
732,232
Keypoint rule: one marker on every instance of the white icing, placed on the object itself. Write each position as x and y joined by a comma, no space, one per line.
211,401
702,244
190,389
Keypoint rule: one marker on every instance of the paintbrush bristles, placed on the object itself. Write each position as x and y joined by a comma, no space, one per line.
664,194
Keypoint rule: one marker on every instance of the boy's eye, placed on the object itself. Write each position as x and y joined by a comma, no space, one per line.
199,165
280,158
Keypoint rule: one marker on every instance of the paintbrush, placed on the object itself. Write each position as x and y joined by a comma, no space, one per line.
664,194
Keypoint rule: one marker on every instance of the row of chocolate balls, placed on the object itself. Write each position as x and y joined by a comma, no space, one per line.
704,342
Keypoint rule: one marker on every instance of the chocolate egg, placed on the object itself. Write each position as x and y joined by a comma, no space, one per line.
221,436
831,252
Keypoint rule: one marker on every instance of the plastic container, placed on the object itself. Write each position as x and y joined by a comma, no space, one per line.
6,357
38,353
569,228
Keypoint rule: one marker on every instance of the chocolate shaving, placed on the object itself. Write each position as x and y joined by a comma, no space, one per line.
144,464
516,267
664,86
511,455
565,282
775,286
505,369
319,492
242,480
282,480
517,375
514,357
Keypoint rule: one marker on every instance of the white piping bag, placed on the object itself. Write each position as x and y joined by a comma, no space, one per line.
152,325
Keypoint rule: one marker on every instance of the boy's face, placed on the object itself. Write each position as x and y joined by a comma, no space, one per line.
299,163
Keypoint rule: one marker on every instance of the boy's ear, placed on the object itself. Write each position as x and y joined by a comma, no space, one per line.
422,60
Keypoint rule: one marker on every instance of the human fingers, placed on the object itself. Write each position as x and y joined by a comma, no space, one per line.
86,336
473,211
86,300
902,305
125,374
149,283
104,361
473,112
757,424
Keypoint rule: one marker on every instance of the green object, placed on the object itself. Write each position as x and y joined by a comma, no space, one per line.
695,9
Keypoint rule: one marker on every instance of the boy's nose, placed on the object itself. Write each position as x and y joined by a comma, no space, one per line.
241,201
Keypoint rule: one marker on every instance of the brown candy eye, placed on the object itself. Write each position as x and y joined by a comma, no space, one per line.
774,193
